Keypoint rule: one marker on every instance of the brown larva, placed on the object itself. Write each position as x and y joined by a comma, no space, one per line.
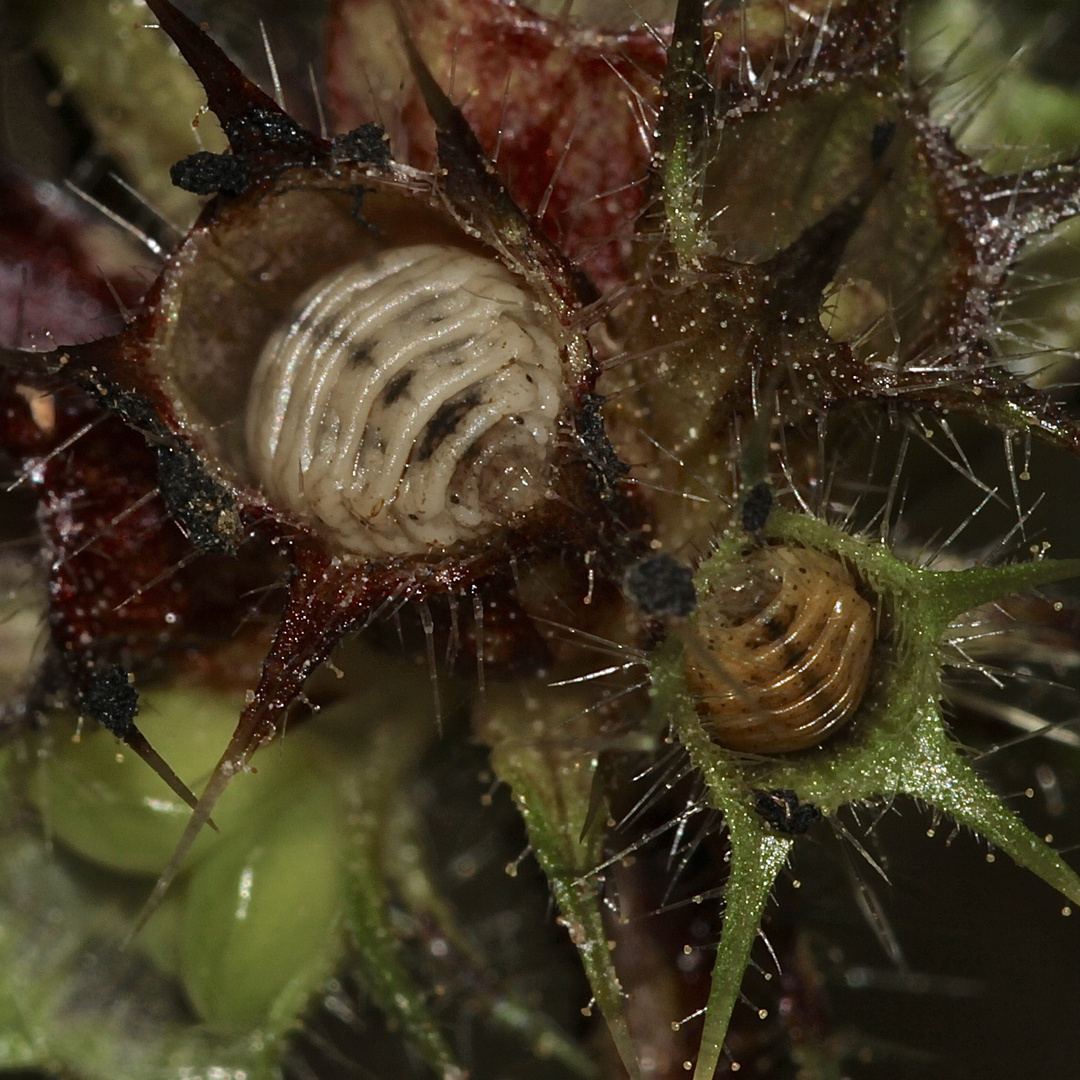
783,651
411,404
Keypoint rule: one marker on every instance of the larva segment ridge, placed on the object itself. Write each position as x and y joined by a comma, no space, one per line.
420,394
788,644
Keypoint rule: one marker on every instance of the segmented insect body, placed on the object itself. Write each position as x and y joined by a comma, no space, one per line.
411,404
785,651
377,380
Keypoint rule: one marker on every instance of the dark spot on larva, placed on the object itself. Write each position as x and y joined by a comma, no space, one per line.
327,331
793,654
396,387
445,422
435,310
361,354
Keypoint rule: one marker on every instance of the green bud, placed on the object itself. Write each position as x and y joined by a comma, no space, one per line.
105,803
263,912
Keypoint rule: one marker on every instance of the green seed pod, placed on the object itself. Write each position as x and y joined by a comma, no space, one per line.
109,806
281,882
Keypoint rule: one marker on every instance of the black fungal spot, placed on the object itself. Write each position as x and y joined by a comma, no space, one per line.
367,143
204,509
783,811
266,129
396,387
111,700
661,585
445,422
756,507
205,173
606,466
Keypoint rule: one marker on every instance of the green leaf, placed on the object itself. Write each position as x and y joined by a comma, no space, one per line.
370,791
550,772
261,928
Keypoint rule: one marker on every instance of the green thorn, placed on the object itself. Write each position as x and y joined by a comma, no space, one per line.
381,961
580,908
380,956
944,778
756,859
757,854
418,891
552,783
961,590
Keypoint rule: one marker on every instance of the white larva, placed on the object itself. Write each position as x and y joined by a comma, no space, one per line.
411,404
